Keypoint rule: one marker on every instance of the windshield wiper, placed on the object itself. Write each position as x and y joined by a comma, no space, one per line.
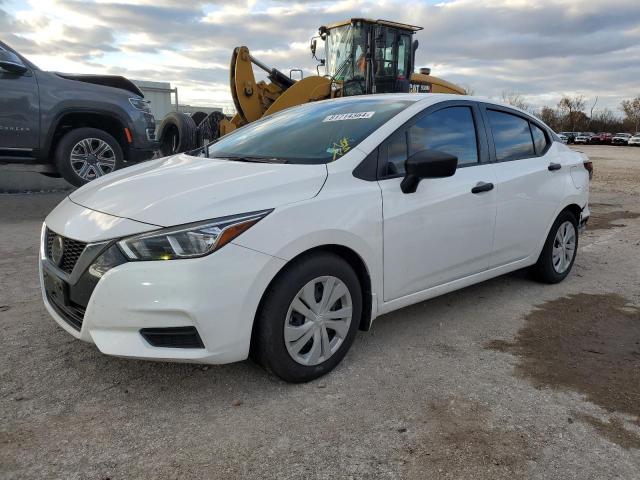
252,159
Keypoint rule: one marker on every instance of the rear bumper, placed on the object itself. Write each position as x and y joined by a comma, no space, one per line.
584,218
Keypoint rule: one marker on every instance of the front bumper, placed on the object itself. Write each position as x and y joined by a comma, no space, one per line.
218,295
135,155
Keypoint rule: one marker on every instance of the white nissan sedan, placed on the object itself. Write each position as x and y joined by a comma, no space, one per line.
284,238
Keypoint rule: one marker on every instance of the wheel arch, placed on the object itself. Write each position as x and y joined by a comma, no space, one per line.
572,207
72,119
354,260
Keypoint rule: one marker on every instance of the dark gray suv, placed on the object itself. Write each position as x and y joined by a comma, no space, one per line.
79,127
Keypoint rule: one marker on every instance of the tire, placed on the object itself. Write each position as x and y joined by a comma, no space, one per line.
209,128
545,269
85,154
177,134
198,117
269,347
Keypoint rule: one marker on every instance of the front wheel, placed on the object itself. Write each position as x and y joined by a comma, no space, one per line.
85,154
559,251
308,318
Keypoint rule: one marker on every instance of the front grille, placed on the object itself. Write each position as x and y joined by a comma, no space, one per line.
173,337
72,249
72,314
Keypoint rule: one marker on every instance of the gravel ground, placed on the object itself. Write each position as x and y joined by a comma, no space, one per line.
506,379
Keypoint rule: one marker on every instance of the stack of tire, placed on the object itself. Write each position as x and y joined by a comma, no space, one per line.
182,132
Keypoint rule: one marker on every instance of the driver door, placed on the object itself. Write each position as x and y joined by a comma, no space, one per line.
443,231
19,113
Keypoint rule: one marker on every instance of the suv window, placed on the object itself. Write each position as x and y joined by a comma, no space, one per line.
511,136
539,139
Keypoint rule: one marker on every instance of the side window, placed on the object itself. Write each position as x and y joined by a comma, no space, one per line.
384,52
404,55
451,130
511,136
396,152
539,139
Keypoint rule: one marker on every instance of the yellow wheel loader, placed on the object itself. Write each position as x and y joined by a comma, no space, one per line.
362,56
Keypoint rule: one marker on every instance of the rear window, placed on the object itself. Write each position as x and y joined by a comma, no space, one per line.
511,136
314,133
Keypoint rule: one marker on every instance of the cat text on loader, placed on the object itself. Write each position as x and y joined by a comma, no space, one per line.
361,57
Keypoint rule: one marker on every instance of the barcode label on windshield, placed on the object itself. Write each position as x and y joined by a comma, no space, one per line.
348,116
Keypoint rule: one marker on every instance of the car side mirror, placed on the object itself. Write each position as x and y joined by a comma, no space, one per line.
10,62
427,164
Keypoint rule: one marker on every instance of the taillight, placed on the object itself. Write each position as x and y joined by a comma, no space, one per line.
588,165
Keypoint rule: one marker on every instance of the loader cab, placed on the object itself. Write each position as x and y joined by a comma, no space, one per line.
369,56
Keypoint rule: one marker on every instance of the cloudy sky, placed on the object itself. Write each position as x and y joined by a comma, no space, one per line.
539,48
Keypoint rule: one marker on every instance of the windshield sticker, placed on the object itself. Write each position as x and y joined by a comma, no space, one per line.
339,148
348,116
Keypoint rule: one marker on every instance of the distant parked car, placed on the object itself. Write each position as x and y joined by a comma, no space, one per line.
635,140
621,139
602,138
570,136
563,137
584,137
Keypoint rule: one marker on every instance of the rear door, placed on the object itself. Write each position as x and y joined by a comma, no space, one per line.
19,113
530,183
442,231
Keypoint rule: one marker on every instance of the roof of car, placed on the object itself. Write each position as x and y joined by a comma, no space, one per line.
430,98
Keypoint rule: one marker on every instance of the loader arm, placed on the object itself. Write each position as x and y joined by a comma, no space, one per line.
253,100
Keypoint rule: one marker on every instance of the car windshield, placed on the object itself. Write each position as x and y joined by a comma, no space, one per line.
313,133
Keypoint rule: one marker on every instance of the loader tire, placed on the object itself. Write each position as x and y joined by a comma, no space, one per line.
209,128
198,117
177,134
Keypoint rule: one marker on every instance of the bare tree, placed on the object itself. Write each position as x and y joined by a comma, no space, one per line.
571,107
605,121
591,112
516,99
631,109
549,116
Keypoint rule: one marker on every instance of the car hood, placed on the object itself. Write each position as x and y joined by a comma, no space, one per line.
183,189
114,81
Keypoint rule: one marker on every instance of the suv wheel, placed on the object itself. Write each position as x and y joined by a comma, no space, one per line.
559,251
85,154
308,318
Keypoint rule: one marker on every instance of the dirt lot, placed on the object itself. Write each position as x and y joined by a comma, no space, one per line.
506,379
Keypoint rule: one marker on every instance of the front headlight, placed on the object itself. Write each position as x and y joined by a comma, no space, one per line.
189,241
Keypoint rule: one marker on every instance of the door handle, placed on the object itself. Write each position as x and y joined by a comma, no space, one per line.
482,187
554,166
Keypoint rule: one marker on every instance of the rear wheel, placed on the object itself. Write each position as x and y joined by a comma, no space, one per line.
559,252
85,154
308,318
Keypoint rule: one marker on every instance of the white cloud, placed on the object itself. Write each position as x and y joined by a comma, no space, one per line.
540,48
